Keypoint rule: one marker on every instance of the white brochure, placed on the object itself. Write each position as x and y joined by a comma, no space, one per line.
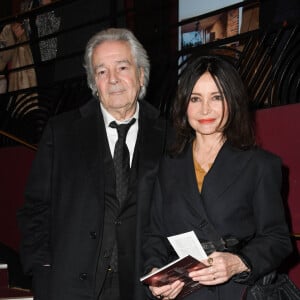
187,244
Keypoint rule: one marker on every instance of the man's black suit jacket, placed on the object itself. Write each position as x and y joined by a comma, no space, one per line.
62,218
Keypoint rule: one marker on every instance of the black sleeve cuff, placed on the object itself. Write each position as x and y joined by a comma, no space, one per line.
246,275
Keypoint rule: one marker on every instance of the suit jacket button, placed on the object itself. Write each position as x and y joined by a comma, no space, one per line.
93,235
106,254
118,222
83,276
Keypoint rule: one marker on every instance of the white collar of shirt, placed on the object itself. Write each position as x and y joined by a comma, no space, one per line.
112,134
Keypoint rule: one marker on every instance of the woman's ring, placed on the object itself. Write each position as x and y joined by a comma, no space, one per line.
210,261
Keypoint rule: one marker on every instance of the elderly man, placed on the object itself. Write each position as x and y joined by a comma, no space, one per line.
88,194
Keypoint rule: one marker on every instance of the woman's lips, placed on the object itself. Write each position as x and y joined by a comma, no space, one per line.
206,121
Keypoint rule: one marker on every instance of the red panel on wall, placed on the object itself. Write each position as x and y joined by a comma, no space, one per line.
15,164
278,130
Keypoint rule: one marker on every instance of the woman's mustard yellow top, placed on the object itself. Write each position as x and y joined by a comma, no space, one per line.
200,174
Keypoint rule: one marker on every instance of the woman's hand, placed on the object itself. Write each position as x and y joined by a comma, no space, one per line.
166,292
222,266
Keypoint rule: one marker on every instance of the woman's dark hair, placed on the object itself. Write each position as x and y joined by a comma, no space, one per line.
238,129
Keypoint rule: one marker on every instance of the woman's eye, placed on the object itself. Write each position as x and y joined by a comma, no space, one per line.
218,97
194,99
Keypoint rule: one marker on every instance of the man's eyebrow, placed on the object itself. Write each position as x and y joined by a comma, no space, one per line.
117,62
98,66
124,61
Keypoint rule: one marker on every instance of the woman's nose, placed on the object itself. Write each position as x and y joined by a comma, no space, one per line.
205,107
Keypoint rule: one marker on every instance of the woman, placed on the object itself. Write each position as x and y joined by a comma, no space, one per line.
28,54
13,34
215,166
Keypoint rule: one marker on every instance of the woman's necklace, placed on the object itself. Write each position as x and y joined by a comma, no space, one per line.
206,157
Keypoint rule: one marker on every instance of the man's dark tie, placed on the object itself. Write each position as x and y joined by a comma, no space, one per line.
121,160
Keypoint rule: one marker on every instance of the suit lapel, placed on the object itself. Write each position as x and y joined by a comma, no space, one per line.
226,169
188,176
186,179
150,143
91,144
149,148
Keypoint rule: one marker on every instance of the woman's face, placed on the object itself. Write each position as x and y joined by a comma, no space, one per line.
45,2
207,110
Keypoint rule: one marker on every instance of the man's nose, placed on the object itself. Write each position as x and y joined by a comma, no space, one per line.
113,78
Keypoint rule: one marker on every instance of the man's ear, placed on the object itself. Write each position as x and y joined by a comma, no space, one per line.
141,76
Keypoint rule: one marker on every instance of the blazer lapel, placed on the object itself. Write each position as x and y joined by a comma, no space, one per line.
151,141
187,175
150,147
228,165
184,178
91,137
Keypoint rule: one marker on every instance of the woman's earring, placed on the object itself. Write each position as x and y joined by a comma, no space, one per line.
97,94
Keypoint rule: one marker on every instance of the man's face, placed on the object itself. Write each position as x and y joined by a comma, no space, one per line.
117,77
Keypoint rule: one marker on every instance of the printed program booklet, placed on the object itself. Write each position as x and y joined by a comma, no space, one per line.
190,252
176,270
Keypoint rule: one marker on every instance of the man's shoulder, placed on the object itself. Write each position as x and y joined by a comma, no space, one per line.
89,108
148,110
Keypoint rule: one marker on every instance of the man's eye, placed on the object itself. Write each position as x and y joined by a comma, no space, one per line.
100,73
122,68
